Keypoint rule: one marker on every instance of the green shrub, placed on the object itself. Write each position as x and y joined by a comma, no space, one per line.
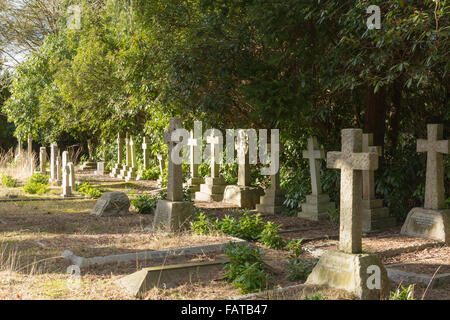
297,268
403,293
270,236
87,190
202,225
8,181
248,227
36,184
145,203
151,174
245,269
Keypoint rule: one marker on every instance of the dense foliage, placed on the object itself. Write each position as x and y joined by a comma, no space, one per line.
306,67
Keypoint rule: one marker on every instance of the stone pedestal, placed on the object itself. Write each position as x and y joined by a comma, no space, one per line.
211,190
172,216
89,165
428,223
362,274
271,202
375,216
316,207
130,174
123,172
194,184
101,168
244,196
115,172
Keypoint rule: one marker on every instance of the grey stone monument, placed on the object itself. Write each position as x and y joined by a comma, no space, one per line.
146,164
194,144
173,214
243,194
348,268
432,221
272,201
162,167
58,180
42,160
214,186
375,216
131,173
66,188
317,203
53,155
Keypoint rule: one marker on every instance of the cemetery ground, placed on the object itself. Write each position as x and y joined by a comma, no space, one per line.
37,229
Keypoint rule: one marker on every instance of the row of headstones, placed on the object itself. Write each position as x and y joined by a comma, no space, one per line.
128,171
348,268
62,172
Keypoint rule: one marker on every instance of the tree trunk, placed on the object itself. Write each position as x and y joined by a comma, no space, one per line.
375,115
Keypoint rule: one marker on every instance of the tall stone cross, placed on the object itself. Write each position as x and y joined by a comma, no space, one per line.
42,159
145,152
53,156
119,149
243,159
175,174
194,154
351,161
368,175
435,147
314,154
127,151
213,140
132,152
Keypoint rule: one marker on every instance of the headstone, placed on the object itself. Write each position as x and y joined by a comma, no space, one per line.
101,168
115,172
173,214
145,164
53,155
72,175
194,144
214,186
58,170
66,188
112,204
272,201
126,166
362,274
42,160
432,221
243,194
131,173
375,216
317,203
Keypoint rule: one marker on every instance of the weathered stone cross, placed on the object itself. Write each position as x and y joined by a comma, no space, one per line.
351,161
213,140
243,159
314,154
368,175
175,175
434,182
193,154
145,152
119,149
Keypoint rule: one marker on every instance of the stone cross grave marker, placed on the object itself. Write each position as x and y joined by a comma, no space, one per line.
351,161
243,159
42,159
368,175
53,155
145,152
175,175
314,154
193,154
317,204
213,140
435,147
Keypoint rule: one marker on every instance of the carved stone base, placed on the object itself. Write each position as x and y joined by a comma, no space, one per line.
316,207
244,197
428,223
361,274
172,216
